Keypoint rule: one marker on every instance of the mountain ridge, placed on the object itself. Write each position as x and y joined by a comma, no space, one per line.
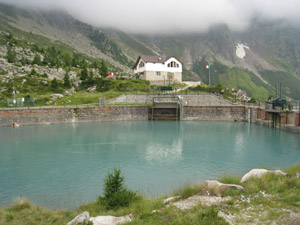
273,54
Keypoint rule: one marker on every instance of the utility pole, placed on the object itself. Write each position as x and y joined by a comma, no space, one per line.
208,75
14,93
280,90
208,67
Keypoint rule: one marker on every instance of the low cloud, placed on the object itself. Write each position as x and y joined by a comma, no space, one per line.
169,16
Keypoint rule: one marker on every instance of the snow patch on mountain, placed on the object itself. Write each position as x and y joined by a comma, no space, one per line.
240,50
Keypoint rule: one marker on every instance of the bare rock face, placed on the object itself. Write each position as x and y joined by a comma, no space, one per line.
110,220
258,173
221,188
83,218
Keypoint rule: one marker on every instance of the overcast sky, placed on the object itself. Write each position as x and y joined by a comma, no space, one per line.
166,16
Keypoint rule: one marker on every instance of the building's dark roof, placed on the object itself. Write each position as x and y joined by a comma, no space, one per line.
154,59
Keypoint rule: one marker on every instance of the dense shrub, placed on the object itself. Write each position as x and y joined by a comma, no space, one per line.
115,194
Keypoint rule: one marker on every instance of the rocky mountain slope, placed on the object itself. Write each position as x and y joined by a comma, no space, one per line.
255,60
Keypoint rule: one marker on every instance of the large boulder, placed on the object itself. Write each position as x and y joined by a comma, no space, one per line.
83,218
258,173
110,220
221,188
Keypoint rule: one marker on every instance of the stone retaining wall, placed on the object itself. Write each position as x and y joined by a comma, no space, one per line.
187,99
214,113
49,115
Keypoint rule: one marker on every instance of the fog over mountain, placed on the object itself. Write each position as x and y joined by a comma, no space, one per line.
169,16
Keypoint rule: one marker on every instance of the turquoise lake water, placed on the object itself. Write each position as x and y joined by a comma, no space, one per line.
62,166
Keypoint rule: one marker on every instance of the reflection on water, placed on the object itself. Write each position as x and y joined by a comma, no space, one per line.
64,165
159,152
239,144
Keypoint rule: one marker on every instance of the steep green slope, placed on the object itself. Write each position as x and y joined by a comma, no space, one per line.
290,83
233,77
134,45
247,81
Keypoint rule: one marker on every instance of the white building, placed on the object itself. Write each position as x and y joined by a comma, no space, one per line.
157,68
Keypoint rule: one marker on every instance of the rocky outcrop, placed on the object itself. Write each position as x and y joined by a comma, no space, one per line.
197,199
111,220
83,218
258,173
220,188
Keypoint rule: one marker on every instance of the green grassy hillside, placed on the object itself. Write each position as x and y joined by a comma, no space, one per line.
233,77
290,83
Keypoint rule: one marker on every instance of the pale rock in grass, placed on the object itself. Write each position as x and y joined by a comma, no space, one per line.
55,96
229,218
258,173
92,89
111,220
72,75
72,90
83,218
75,84
221,188
171,199
195,200
66,93
156,211
49,102
3,89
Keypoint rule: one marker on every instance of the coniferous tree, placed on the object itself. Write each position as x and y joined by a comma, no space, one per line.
103,69
24,61
54,83
33,72
84,74
37,60
74,62
95,65
68,59
58,63
67,82
11,55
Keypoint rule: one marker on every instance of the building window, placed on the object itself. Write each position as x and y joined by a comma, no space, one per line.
142,64
157,73
173,64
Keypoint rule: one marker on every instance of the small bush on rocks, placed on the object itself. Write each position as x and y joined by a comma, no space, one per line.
115,194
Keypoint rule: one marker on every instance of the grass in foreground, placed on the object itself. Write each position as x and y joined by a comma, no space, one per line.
263,201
